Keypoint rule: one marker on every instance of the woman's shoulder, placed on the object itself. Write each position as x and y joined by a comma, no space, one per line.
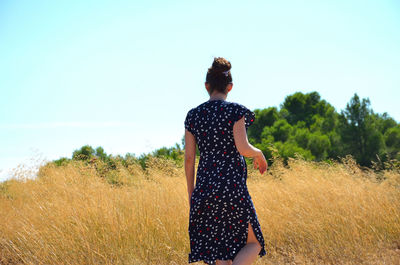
237,107
236,104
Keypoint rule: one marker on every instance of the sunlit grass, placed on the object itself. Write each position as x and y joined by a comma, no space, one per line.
309,213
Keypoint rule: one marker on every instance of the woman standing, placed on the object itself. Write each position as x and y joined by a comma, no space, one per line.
223,224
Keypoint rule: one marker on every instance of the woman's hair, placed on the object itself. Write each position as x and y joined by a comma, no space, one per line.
219,75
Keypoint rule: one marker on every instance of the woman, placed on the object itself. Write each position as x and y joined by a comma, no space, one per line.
223,224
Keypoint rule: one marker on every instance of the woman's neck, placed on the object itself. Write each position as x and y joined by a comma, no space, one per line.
217,97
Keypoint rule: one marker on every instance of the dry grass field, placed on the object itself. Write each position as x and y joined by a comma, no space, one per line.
310,213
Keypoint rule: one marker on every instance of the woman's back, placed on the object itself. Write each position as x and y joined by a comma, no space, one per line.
212,125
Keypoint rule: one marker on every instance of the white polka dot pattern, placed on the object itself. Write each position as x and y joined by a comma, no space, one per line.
221,206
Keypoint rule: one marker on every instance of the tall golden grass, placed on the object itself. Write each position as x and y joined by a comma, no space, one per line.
310,213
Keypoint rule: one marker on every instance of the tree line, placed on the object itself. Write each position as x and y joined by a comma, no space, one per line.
310,126
304,125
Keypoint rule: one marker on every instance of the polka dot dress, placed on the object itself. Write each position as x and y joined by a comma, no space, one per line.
221,206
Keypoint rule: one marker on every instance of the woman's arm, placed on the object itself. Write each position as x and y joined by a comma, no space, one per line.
190,159
245,148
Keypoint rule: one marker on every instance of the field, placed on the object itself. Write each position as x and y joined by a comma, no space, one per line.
310,213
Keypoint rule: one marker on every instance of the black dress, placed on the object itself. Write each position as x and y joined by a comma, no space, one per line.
221,205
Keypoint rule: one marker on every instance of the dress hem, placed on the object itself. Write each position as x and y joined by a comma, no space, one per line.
212,261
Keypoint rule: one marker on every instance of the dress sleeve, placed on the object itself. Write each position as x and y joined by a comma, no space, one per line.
239,111
189,125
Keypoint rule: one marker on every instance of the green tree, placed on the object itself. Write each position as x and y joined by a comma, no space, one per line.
384,122
280,130
168,152
100,153
359,133
290,149
301,107
84,153
319,145
264,117
336,147
392,140
302,137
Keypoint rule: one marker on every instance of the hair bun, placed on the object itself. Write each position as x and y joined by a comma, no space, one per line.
220,65
219,75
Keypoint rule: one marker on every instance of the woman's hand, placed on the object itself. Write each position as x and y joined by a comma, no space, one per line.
260,162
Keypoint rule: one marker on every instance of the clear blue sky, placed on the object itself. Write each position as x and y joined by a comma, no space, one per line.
123,74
